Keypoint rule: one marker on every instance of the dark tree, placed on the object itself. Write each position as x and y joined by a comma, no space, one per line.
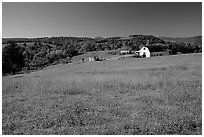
12,58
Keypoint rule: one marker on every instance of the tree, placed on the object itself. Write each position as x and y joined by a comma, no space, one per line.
12,58
71,51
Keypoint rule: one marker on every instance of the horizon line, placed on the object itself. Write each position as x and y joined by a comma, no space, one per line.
101,36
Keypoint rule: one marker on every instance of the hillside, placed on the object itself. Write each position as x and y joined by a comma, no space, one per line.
130,64
196,40
37,53
145,96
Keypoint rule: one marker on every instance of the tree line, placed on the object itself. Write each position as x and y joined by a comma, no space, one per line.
30,54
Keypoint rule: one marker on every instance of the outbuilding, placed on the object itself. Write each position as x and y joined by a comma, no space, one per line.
95,58
162,53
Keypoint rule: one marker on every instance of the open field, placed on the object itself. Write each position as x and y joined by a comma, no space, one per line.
158,95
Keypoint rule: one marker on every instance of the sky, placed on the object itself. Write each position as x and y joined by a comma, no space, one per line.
104,19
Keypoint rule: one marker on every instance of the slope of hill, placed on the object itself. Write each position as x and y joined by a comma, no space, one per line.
161,95
188,44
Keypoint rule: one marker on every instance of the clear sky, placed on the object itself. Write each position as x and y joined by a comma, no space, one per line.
101,19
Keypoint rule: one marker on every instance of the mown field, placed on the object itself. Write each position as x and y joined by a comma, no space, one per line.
158,95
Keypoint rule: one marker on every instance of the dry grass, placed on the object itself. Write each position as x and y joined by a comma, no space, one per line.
107,98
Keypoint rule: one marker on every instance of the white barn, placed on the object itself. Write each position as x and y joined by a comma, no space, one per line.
143,52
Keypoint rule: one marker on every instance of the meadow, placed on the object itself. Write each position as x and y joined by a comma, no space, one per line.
158,95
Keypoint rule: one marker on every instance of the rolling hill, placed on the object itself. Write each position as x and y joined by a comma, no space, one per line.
146,96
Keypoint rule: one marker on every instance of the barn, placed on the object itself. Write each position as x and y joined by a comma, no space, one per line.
143,52
146,52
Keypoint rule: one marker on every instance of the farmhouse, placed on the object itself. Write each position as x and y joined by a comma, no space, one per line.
125,50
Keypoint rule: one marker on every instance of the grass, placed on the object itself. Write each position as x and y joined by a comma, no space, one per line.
160,95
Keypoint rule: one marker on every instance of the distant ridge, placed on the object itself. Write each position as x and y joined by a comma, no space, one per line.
182,39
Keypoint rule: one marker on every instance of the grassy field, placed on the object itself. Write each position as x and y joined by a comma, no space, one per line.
158,95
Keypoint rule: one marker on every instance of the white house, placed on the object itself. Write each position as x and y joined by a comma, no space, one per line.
143,52
124,52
